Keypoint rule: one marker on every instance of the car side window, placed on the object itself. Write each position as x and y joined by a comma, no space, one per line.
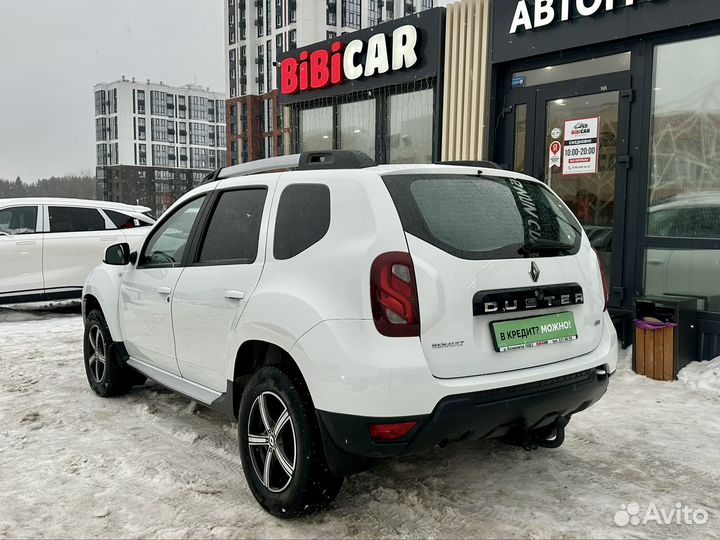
18,220
123,221
75,219
233,231
303,218
167,244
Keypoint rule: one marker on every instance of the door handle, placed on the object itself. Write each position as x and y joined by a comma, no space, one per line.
234,295
164,290
26,243
108,238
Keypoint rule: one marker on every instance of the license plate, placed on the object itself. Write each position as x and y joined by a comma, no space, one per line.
533,331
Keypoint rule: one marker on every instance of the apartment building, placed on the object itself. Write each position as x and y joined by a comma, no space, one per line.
257,32
155,142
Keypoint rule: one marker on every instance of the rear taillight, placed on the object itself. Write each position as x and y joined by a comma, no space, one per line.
603,275
393,295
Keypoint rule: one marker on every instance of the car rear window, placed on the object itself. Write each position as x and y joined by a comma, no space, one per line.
484,217
123,221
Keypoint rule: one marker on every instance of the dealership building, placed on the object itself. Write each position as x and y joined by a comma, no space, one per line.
615,104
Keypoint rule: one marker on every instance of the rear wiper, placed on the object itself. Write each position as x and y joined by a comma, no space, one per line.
542,245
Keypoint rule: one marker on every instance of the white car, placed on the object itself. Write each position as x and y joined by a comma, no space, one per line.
685,272
345,312
48,246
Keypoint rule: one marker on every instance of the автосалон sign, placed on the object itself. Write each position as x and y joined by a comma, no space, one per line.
547,12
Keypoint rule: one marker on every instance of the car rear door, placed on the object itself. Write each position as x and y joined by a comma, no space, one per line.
21,242
74,245
214,289
469,238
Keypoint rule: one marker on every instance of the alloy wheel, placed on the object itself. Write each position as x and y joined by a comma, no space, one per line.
272,441
99,353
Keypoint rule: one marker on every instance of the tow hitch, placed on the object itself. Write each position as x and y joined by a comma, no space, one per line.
551,436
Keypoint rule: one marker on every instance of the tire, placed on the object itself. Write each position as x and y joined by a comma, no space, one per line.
298,480
107,374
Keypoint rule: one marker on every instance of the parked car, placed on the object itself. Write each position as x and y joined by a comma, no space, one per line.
344,312
49,246
685,272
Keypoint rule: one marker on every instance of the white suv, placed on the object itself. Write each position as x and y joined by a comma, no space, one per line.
48,246
344,312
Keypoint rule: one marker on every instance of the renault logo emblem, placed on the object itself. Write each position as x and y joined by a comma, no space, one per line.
534,272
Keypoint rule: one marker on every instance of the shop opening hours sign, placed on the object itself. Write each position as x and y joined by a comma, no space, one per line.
580,152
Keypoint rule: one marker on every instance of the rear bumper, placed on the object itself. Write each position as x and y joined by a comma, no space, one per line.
476,415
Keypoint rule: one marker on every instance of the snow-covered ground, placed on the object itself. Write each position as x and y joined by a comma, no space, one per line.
153,465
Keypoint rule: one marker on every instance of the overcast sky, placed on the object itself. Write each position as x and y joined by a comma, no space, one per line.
52,53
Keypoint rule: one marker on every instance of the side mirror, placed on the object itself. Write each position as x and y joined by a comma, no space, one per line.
117,254
133,257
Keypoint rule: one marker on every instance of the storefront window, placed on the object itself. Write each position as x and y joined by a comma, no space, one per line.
684,272
357,126
684,184
411,127
574,70
316,129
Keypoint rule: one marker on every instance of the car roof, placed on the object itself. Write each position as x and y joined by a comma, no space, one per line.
387,170
77,202
688,200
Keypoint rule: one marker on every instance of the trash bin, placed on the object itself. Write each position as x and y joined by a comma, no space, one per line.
665,336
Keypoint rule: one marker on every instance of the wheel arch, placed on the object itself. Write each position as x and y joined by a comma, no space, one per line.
254,354
101,292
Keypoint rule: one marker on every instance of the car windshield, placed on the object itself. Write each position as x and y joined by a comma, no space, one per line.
484,217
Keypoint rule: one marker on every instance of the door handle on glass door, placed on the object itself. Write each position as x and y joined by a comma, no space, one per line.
164,290
234,295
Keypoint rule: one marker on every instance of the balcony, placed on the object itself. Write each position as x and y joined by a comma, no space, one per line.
258,3
171,131
260,60
182,107
259,79
170,106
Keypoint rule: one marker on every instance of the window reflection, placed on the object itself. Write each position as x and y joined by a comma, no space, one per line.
411,127
316,129
684,184
684,197
357,126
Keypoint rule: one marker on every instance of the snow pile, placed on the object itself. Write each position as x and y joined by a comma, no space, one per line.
152,464
702,376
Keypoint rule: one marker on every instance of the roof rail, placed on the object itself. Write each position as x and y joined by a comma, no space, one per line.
273,164
471,163
307,161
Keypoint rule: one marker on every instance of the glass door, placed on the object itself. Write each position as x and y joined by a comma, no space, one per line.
573,135
579,162
581,134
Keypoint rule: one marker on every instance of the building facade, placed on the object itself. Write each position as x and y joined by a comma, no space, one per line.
612,103
155,142
616,105
388,107
257,33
